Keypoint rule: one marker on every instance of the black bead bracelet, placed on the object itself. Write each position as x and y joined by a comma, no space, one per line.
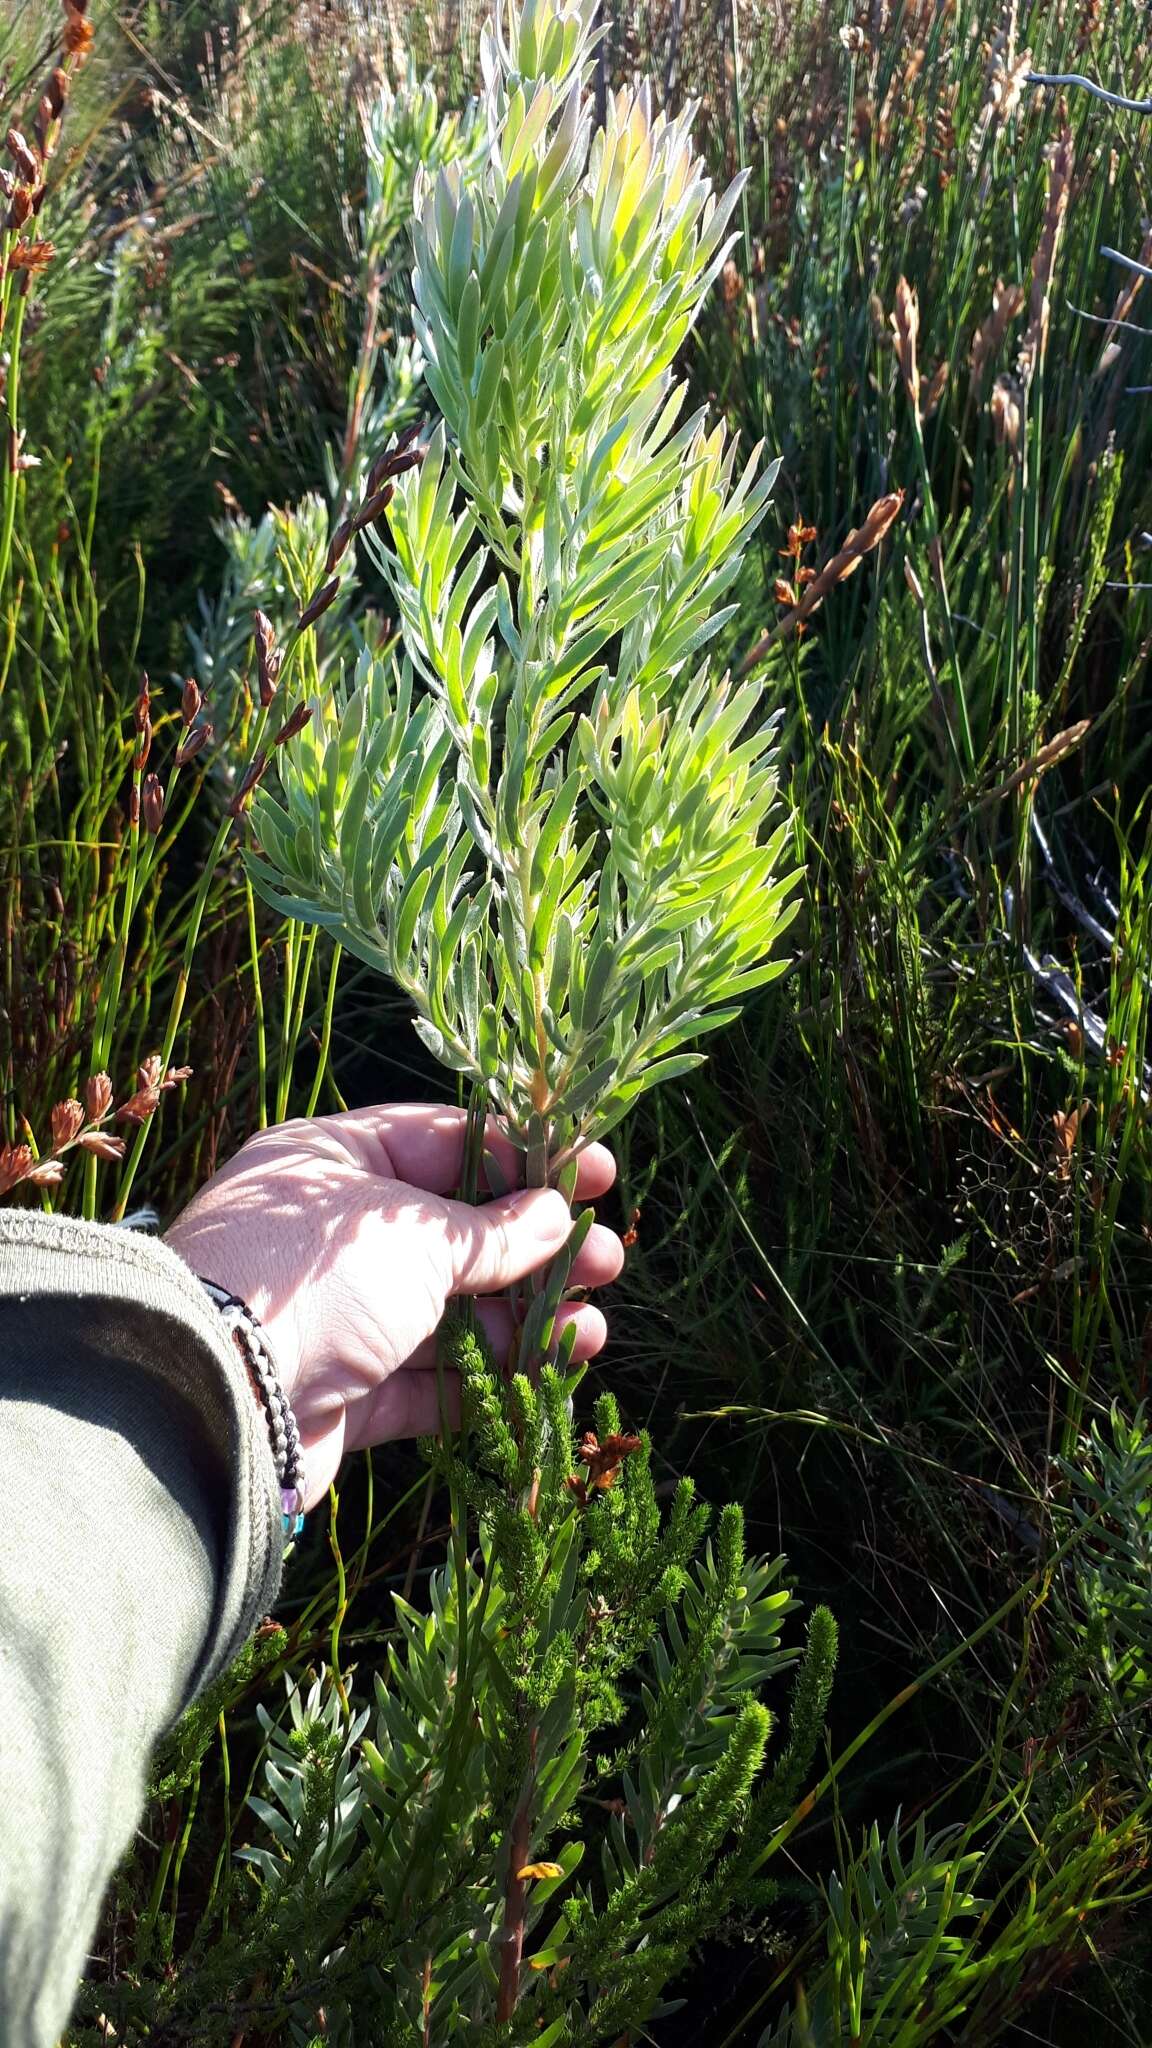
251,1342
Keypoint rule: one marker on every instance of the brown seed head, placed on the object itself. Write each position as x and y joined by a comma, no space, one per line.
97,1097
843,564
139,1107
26,162
906,327
338,545
20,209
800,535
67,1121
1035,342
47,1173
143,704
191,698
248,784
78,33
1007,301
193,744
269,659
605,1459
103,1144
319,604
294,723
16,1163
394,461
152,803
1007,410
373,506
937,384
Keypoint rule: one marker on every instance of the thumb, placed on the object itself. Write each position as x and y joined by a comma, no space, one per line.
495,1245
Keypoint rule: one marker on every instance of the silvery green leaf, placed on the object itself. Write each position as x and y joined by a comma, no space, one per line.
557,828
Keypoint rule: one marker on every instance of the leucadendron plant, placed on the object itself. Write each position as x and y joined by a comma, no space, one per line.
557,829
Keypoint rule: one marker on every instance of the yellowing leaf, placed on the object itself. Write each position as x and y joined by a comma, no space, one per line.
540,1870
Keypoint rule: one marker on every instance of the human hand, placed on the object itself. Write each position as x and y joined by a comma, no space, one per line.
341,1235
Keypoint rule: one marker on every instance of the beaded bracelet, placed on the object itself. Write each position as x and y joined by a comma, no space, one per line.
252,1343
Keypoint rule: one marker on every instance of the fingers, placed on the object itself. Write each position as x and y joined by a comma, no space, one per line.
324,1439
497,1323
424,1143
407,1403
600,1259
494,1246
591,1328
595,1172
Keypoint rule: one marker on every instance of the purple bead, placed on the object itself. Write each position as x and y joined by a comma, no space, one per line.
290,1501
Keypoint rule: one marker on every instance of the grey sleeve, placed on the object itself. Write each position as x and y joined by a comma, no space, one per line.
140,1545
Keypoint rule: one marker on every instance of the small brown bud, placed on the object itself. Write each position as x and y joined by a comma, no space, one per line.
936,387
294,723
144,746
175,1076
78,33
852,37
268,660
23,158
139,1107
149,1072
19,209
193,744
143,704
394,461
372,507
103,1144
270,680
46,1173
319,603
97,1097
17,459
31,256
152,803
57,91
16,1163
191,698
248,784
338,545
67,1120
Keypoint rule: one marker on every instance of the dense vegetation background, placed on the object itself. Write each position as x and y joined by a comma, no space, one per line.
892,1251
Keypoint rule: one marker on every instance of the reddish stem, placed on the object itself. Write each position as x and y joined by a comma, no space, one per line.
515,1899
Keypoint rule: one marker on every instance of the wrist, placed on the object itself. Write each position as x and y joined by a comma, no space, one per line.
251,1342
228,1258
257,1345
